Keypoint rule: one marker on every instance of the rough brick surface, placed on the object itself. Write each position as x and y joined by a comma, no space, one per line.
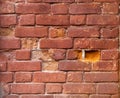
59,48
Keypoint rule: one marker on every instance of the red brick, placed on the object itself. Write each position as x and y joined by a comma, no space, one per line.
56,43
20,53
28,19
31,31
33,8
3,66
34,1
3,57
83,0
104,44
80,43
53,88
109,54
52,20
59,8
49,77
71,96
6,77
99,96
107,88
77,19
115,96
72,54
85,8
11,96
24,66
7,8
74,65
106,0
108,33
78,88
74,76
70,1
58,54
9,43
19,1
85,32
102,20
105,66
101,77
27,88
110,8
23,77
37,96
8,20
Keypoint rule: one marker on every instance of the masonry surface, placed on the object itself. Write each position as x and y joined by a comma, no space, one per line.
59,48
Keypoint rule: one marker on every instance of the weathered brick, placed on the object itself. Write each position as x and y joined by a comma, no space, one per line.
101,76
56,43
107,88
72,54
99,96
74,76
53,88
24,66
31,31
57,32
59,8
81,43
109,54
74,65
70,96
108,33
85,8
58,54
77,19
28,19
25,52
102,20
85,32
3,66
52,20
104,44
8,20
6,77
11,96
115,96
69,1
29,43
105,66
50,66
83,0
27,88
9,43
7,8
34,1
23,77
78,88
110,8
37,96
32,8
106,0
49,77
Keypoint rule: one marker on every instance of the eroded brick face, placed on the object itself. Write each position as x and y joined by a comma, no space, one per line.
59,48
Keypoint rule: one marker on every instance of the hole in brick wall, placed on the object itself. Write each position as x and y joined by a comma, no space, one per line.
90,56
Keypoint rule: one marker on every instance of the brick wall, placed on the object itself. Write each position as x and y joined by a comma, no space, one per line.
59,48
